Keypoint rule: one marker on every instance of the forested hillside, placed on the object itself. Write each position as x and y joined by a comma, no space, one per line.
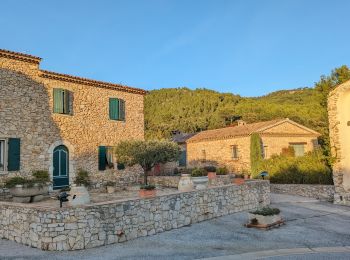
195,110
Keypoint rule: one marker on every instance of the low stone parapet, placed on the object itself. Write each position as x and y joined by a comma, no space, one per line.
111,222
321,192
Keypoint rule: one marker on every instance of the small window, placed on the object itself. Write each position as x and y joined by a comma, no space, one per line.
299,148
61,99
2,155
117,109
235,152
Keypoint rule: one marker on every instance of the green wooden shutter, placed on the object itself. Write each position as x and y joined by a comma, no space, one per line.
66,109
121,109
114,108
14,154
58,100
102,158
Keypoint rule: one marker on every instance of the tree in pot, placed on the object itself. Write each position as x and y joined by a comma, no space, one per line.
79,193
147,154
211,170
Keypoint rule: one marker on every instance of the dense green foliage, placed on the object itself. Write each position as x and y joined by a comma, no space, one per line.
147,153
255,153
38,178
266,211
198,172
222,171
308,169
82,178
201,109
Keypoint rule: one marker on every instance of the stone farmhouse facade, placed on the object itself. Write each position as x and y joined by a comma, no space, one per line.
339,126
61,123
230,146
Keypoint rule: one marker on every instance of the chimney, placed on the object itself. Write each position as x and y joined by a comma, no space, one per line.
241,122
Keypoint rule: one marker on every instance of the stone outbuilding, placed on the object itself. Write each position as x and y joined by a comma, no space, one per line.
230,146
339,130
61,123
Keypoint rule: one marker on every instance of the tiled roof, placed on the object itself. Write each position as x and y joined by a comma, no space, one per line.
19,56
182,137
68,78
242,130
90,82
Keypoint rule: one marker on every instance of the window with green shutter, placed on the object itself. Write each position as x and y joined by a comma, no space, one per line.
14,154
61,100
116,109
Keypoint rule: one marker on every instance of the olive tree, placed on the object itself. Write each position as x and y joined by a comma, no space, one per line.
147,153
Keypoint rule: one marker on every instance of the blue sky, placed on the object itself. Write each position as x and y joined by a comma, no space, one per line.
245,47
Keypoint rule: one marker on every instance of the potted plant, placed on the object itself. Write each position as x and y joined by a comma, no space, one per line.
147,191
199,178
147,154
27,190
211,172
110,185
221,171
185,183
79,193
265,216
239,179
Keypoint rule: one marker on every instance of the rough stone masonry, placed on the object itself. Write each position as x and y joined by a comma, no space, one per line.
118,221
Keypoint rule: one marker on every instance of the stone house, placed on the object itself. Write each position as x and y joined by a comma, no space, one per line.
339,125
230,146
61,123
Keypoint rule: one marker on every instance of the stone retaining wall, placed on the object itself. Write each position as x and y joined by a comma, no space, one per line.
173,181
321,192
117,221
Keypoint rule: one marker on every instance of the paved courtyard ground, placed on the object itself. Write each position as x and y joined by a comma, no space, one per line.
311,226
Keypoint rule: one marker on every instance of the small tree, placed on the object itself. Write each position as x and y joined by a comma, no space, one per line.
255,154
147,154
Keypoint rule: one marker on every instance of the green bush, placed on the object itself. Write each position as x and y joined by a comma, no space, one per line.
82,178
12,182
221,171
41,176
308,169
266,211
198,172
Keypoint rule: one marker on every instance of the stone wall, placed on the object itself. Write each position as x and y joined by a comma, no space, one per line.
321,192
339,117
173,181
26,106
117,221
219,152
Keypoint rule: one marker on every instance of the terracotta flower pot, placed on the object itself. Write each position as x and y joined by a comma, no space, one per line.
211,175
238,181
143,193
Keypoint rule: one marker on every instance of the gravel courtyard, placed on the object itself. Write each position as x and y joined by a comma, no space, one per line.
311,225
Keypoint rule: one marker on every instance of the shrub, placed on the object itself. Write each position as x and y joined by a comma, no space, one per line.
210,168
198,172
266,211
12,182
147,187
308,169
221,171
82,178
41,176
255,153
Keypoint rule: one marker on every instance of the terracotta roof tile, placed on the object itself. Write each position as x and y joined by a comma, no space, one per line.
19,56
242,130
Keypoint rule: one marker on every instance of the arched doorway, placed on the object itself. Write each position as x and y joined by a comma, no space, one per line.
60,167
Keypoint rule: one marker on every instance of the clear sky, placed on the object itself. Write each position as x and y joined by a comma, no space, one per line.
245,47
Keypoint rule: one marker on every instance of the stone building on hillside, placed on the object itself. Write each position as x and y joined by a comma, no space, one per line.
61,123
230,146
339,130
